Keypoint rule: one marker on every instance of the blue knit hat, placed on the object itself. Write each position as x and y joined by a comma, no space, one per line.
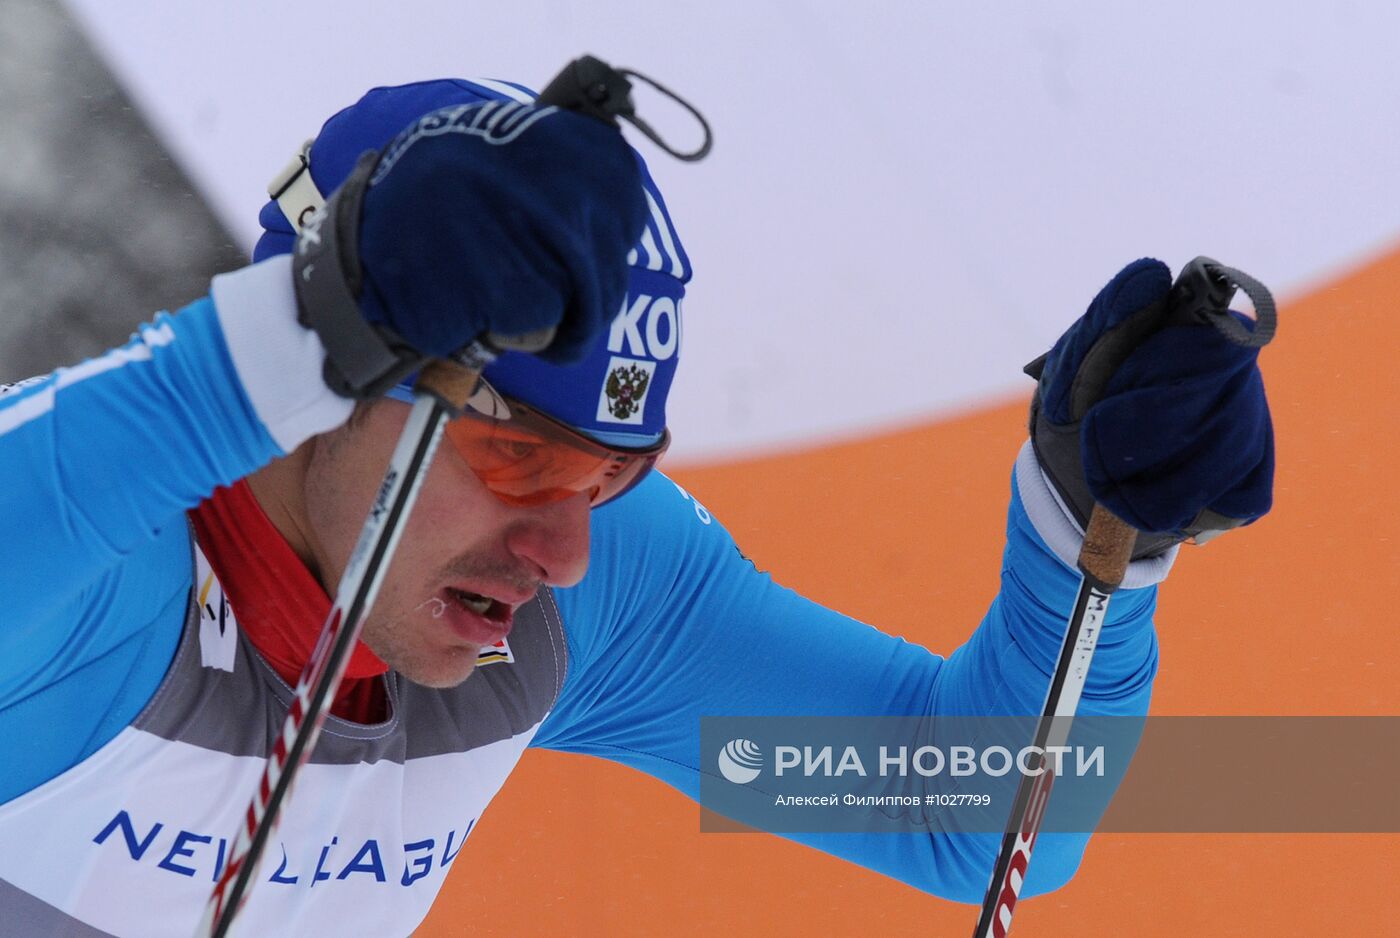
617,394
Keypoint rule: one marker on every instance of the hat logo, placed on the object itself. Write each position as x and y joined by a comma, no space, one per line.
626,389
495,122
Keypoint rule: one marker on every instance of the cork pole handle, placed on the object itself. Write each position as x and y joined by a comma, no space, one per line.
1108,546
449,381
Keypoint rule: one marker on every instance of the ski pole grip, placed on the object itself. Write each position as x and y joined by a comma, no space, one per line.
1203,291
1108,546
450,382
590,86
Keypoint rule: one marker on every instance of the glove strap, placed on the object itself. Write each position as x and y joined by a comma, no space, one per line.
362,360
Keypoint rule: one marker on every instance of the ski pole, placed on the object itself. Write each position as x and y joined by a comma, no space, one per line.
442,389
1103,560
1201,294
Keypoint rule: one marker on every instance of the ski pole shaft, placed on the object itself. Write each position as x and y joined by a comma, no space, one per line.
442,388
1103,561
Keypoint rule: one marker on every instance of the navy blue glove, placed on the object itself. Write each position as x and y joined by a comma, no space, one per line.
494,219
1156,414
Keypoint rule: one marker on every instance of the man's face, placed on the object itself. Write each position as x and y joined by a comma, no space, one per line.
465,562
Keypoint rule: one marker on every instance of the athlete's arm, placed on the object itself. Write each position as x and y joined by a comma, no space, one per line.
101,457
673,623
99,462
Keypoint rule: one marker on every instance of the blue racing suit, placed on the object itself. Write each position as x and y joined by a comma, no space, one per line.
101,461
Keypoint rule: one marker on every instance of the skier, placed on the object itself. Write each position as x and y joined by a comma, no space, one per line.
177,511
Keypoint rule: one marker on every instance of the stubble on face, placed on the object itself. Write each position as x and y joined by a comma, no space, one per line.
455,518
407,632
398,643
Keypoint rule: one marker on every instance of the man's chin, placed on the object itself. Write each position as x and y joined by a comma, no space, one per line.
441,673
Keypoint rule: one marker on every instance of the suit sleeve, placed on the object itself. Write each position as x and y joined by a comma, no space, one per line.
100,457
672,623
99,462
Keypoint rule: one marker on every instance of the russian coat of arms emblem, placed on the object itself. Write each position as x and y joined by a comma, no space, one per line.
626,388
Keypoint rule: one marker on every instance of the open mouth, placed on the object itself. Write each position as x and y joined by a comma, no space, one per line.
484,606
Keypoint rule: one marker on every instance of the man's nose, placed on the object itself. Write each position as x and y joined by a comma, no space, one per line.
554,537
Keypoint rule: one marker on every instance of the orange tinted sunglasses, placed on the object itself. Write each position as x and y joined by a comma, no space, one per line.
525,457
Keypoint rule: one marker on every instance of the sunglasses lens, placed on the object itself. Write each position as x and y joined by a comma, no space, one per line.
530,460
